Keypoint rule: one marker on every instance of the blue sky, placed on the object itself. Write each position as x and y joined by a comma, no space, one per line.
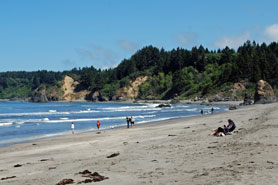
59,35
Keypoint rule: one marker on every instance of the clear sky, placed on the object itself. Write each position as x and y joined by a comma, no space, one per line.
59,35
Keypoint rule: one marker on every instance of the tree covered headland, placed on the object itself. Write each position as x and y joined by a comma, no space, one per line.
179,72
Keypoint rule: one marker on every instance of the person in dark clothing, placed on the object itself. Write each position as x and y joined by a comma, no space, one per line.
225,130
127,122
231,125
132,121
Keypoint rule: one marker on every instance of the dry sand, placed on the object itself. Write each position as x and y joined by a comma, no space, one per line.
170,152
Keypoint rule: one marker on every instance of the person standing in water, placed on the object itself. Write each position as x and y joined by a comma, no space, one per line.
98,125
212,110
132,122
72,128
127,122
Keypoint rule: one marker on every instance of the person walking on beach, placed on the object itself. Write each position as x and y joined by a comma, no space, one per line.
202,112
72,128
127,122
212,110
98,125
132,120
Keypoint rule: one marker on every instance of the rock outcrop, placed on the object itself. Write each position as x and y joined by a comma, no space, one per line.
93,96
232,107
70,93
39,95
230,94
97,96
55,93
264,93
163,106
247,99
131,92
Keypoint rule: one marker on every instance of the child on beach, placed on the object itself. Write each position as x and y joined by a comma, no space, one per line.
72,128
98,125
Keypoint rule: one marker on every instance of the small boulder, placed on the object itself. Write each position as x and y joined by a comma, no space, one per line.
113,155
232,107
163,106
65,181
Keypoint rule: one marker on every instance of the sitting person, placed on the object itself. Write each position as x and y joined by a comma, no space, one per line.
219,131
226,130
231,126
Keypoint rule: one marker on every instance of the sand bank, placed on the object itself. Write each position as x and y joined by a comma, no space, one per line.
169,152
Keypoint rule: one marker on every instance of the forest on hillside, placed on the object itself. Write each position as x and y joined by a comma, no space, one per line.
179,72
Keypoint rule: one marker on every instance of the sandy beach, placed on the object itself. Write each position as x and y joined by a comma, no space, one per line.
170,152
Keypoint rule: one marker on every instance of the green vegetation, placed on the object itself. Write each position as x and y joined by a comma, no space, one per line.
186,73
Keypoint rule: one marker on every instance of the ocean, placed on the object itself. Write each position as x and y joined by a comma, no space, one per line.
25,121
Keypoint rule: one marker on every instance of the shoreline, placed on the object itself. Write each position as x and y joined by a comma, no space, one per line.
179,151
7,143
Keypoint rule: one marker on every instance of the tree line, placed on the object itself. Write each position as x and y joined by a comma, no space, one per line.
181,72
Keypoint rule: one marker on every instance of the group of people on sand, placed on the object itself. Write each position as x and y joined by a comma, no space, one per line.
130,121
72,126
226,130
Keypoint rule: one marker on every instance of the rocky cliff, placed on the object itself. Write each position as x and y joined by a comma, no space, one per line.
68,92
131,92
69,89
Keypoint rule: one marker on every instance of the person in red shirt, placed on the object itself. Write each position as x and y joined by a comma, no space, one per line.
98,125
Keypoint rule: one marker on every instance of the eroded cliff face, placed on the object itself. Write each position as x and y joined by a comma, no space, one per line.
125,93
131,92
69,86
67,92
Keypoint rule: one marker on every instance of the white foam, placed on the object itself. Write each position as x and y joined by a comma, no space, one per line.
82,119
23,121
182,106
191,110
145,116
5,124
173,110
143,107
33,113
84,111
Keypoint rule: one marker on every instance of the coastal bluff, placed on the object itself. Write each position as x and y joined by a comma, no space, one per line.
70,91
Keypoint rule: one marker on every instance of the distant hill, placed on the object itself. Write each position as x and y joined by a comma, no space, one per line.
153,73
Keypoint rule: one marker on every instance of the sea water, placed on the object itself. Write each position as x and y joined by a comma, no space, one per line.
24,121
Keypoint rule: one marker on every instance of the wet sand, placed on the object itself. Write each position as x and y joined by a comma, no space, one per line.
170,152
